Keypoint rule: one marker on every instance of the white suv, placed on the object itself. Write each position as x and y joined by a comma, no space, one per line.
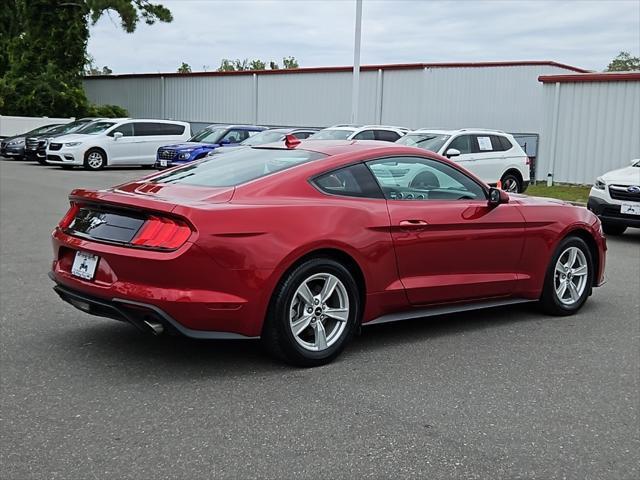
615,198
113,142
360,132
492,155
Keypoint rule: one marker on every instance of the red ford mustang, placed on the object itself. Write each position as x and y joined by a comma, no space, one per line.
302,243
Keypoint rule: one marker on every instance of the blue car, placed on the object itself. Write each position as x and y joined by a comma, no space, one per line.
203,142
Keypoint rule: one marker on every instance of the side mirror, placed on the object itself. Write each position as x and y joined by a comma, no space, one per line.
452,152
224,142
635,161
118,135
497,196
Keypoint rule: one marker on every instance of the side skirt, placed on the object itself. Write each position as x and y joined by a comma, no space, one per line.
444,310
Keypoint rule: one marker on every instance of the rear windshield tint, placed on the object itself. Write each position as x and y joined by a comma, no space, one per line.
235,168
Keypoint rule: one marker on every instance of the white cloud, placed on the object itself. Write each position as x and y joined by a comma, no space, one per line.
320,33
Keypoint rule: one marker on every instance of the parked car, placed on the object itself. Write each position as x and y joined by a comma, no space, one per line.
360,132
268,136
212,137
36,145
300,244
615,198
115,142
13,147
492,155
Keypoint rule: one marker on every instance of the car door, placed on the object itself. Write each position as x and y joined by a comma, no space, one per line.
489,158
153,135
125,149
450,244
464,144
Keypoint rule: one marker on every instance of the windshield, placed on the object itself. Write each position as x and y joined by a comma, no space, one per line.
208,135
95,128
268,136
330,134
427,141
235,168
41,130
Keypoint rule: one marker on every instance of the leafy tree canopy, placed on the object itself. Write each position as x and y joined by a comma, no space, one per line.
227,65
624,62
43,51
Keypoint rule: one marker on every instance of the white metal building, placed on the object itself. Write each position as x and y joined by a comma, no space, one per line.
591,124
501,95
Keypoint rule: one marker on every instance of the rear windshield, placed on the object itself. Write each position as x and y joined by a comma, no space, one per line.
330,134
236,168
268,136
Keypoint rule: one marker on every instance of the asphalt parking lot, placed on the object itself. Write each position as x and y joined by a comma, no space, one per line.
505,393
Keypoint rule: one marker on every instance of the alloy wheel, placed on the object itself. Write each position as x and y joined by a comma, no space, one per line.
319,312
570,276
94,159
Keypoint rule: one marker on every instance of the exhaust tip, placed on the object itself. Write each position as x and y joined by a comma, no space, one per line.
156,328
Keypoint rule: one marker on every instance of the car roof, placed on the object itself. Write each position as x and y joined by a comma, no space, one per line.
454,131
334,147
245,127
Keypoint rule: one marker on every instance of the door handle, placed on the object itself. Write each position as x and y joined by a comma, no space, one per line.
413,224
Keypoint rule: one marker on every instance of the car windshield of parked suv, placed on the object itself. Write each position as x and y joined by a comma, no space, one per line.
331,134
268,136
41,130
241,166
427,141
95,128
209,135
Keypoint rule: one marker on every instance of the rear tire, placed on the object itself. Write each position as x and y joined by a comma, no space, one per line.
511,183
569,278
313,313
612,229
95,159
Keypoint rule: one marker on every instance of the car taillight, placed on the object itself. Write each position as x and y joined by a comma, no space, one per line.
165,233
69,216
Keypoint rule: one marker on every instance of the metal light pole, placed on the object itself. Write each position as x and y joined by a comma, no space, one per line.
355,91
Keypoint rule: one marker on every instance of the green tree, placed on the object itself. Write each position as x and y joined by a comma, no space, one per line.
184,68
290,62
624,62
273,65
43,51
257,65
241,65
226,65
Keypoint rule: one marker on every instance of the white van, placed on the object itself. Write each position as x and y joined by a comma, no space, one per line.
491,155
114,142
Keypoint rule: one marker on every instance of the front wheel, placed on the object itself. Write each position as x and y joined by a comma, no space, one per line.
313,313
94,159
569,278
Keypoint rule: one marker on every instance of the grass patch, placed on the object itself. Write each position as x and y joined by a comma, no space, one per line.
571,193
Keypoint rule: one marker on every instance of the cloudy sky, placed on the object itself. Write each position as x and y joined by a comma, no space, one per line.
320,33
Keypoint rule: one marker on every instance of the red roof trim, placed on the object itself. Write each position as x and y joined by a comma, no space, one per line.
591,77
363,68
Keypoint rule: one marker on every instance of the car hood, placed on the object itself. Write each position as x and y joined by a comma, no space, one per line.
190,146
626,176
70,137
527,200
13,139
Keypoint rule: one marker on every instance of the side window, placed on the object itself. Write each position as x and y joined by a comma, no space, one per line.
126,129
462,143
235,136
149,129
365,135
506,144
302,135
484,143
386,135
352,181
415,178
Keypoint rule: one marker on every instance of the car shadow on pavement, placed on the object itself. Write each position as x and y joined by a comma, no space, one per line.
111,344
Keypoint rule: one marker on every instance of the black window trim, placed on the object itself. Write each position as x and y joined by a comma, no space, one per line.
483,186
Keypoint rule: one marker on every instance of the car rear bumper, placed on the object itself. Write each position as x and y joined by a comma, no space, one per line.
146,317
610,213
184,290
